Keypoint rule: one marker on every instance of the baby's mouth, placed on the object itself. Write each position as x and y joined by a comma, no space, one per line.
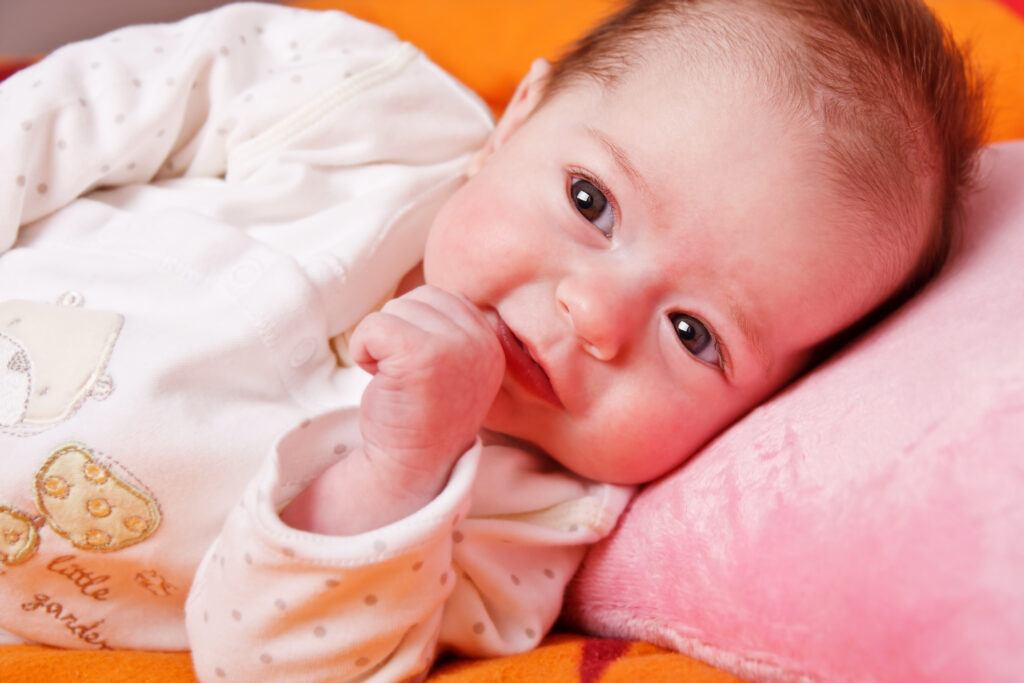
524,370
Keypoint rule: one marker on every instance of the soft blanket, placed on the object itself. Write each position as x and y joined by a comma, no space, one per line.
564,658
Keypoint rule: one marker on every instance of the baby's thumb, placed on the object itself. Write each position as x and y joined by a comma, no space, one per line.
359,352
377,337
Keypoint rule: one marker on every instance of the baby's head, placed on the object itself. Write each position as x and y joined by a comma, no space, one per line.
669,223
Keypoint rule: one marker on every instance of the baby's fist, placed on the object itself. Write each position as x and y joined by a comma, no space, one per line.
437,366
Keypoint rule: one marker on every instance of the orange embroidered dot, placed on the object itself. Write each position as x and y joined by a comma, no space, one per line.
97,474
136,524
98,507
97,538
56,487
12,536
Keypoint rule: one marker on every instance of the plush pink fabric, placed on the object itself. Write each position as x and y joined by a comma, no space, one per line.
868,523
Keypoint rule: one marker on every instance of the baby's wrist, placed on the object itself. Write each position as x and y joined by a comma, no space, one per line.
362,492
412,476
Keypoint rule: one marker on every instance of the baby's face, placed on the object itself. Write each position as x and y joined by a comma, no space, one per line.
657,260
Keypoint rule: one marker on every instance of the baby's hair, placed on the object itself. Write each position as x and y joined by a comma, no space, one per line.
883,82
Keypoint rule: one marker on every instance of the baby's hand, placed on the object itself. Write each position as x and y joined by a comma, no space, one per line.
437,366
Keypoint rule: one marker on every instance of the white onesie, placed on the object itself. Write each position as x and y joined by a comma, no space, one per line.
189,213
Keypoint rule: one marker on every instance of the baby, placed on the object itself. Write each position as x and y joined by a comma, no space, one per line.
665,227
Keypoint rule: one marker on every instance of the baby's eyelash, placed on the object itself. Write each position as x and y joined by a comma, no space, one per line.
725,363
576,172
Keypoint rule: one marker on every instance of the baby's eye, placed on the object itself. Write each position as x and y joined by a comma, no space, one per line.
696,338
591,203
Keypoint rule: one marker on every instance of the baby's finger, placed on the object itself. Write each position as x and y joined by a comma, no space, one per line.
424,316
379,336
456,307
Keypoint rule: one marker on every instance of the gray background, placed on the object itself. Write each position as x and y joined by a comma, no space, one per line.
34,26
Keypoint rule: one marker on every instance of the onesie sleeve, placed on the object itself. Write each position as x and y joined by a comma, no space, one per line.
158,102
479,570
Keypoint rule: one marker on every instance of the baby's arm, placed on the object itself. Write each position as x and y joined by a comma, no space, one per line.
437,366
391,566
479,570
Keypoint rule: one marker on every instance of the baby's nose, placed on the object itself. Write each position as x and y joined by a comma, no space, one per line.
601,311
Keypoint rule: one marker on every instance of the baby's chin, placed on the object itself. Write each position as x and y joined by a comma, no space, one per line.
496,437
623,468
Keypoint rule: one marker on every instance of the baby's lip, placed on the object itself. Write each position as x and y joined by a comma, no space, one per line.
523,366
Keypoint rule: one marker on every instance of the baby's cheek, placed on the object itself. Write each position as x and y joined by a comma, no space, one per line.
449,248
653,437
656,451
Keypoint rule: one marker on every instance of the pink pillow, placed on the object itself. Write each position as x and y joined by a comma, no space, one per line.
867,523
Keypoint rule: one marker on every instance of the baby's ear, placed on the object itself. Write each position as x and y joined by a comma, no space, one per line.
527,96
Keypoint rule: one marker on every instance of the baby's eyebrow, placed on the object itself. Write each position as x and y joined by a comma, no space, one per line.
621,160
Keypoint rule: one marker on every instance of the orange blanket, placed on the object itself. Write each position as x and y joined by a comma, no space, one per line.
559,659
489,45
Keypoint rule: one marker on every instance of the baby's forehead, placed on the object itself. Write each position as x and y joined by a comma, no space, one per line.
673,71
